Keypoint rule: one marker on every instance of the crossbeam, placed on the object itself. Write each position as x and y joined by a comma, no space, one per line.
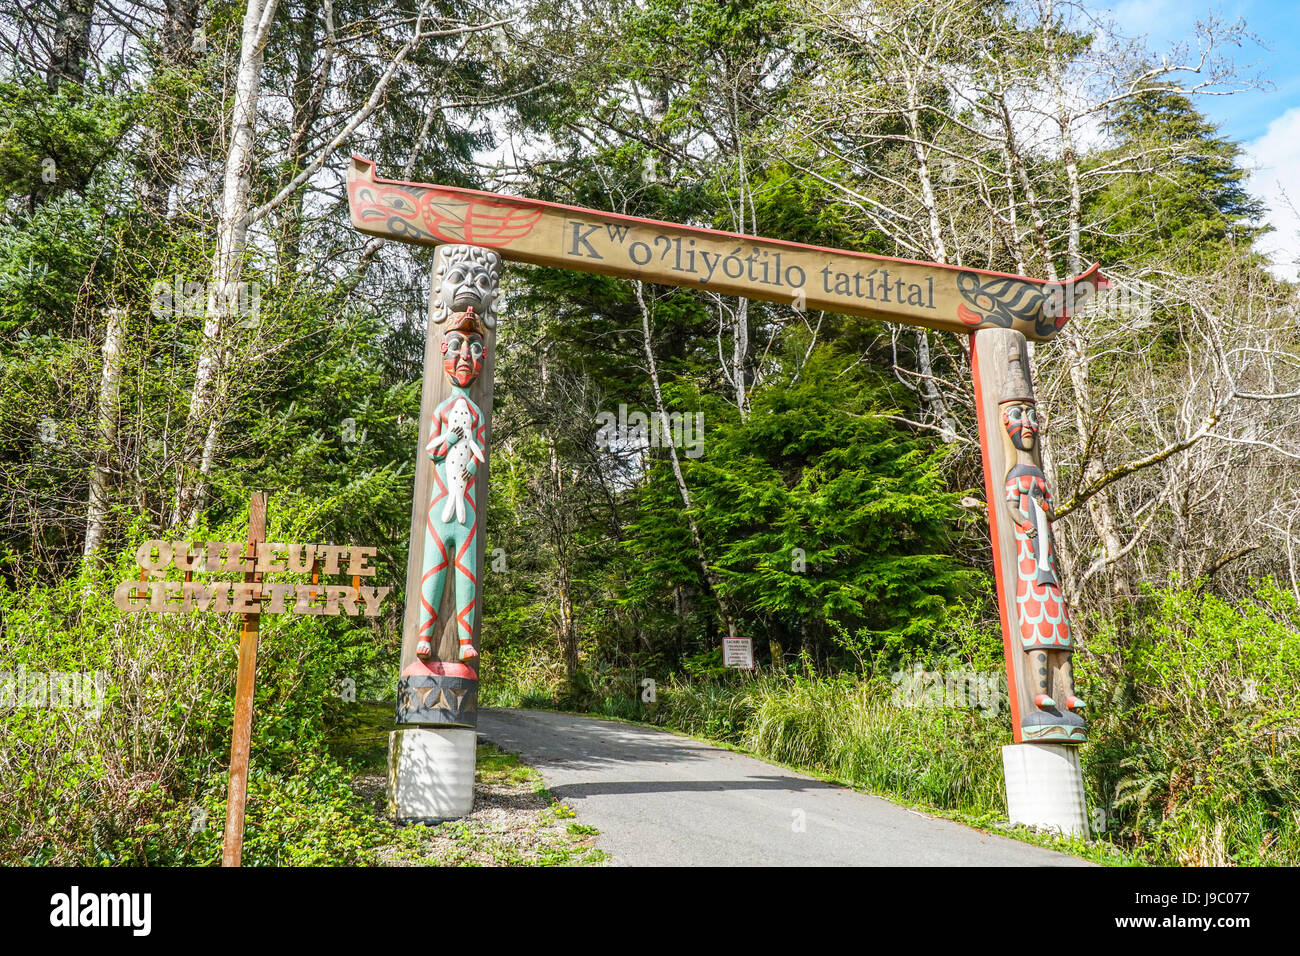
930,294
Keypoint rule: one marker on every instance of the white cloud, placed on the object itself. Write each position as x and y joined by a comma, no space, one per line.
1274,159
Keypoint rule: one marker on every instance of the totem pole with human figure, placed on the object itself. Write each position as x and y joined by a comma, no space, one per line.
451,526
1041,616
439,679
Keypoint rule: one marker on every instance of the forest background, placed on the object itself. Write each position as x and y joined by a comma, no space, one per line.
186,316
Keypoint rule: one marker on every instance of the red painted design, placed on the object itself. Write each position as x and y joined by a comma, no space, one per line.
1043,619
967,316
430,213
419,668
999,576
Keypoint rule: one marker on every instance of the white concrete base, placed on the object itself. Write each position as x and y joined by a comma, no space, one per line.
431,773
1045,787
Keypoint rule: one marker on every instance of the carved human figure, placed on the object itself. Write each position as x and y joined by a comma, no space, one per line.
1041,614
456,445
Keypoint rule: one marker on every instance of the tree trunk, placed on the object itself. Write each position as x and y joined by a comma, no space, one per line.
568,629
106,433
710,579
158,167
1073,336
561,536
206,410
930,393
307,96
740,356
71,43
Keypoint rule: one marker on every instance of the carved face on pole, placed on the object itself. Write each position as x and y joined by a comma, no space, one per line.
465,278
1021,422
1019,411
462,350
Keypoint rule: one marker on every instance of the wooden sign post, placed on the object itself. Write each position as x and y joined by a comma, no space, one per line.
242,731
249,599
998,310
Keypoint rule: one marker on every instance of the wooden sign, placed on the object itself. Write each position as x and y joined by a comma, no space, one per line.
159,596
250,598
928,294
738,652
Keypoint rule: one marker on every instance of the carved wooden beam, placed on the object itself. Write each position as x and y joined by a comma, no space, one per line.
949,298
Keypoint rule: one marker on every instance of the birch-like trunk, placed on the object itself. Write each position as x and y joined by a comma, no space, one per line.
227,263
710,579
1073,336
930,393
158,163
71,43
105,433
740,356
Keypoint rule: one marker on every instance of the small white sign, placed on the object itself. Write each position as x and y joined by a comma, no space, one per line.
738,652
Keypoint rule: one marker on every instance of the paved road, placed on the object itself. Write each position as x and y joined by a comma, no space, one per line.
664,800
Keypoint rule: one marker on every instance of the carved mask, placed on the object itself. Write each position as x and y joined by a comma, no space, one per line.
462,355
466,278
1021,422
462,348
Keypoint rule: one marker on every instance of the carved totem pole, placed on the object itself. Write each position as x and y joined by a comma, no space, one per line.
439,680
431,773
1036,621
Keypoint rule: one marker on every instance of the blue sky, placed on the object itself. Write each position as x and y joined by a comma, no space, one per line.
1266,121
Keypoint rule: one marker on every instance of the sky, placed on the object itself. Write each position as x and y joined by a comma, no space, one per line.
1265,121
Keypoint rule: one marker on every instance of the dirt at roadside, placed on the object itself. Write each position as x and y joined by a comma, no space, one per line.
515,822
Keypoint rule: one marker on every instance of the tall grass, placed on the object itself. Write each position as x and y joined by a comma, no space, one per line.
850,729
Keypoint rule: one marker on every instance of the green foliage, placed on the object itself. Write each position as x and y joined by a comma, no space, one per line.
55,141
1195,210
308,816
125,785
820,510
1194,749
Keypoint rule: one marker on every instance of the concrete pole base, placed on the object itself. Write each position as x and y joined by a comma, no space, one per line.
431,773
1045,787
